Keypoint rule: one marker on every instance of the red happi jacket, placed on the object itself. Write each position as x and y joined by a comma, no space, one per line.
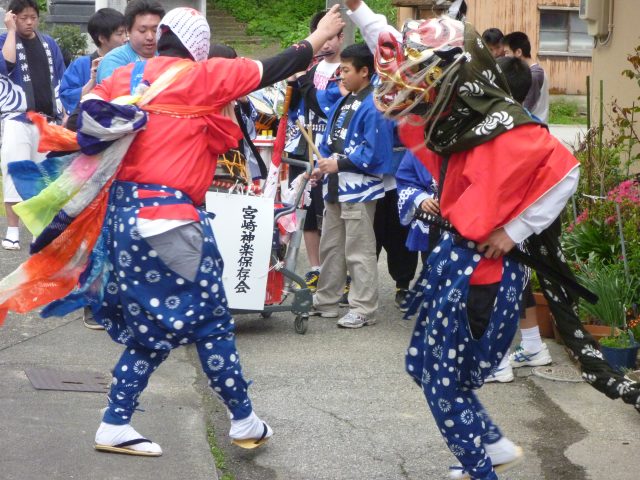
180,150
489,185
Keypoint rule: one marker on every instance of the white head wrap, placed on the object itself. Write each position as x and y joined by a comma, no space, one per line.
191,28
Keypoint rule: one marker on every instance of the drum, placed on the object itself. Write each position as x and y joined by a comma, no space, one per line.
266,115
232,168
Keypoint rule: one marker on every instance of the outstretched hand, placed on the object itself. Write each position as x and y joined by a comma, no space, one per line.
352,4
498,244
332,23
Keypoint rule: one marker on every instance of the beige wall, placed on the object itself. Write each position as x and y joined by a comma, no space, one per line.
610,59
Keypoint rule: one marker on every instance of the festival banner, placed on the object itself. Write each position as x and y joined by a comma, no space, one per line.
243,227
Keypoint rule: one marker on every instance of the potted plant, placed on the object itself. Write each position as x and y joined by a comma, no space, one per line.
615,292
621,351
608,283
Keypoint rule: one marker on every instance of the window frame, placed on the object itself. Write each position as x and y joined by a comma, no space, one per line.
560,53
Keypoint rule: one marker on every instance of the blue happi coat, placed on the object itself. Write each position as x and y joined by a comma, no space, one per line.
16,88
369,146
415,184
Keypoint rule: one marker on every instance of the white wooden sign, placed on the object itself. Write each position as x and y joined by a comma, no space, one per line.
243,227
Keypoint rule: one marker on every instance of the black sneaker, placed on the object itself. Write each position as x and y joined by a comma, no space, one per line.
88,320
344,299
311,279
401,299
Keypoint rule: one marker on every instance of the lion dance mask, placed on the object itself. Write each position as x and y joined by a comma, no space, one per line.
417,76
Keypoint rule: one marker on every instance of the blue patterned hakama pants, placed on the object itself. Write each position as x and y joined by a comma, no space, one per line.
151,308
447,362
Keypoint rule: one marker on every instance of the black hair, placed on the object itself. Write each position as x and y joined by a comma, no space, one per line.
169,45
518,75
104,22
220,50
17,6
359,56
315,20
141,7
518,40
492,36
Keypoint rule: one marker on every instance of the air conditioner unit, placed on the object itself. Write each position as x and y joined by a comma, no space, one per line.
596,14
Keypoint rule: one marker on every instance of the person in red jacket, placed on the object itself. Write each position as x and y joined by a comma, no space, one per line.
502,179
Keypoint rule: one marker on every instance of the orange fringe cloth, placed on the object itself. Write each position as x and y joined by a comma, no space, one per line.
53,138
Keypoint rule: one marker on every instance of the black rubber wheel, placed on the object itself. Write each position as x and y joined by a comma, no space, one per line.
266,314
301,324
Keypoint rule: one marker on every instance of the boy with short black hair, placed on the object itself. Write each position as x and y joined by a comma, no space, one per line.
107,30
314,93
493,38
356,147
141,20
33,65
517,44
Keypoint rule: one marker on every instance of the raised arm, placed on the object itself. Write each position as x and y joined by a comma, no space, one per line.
297,58
371,25
9,47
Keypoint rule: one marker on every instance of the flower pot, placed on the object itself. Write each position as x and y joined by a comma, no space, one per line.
621,358
543,315
599,331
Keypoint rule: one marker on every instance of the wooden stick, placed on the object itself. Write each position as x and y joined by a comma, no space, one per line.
308,138
310,148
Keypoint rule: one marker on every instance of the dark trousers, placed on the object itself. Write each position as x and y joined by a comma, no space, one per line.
392,236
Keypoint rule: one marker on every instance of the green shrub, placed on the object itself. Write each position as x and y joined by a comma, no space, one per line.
614,292
565,112
286,21
70,39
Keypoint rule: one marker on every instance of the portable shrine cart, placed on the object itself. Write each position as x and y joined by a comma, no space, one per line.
286,291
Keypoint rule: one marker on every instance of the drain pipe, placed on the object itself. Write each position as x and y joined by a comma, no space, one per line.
609,25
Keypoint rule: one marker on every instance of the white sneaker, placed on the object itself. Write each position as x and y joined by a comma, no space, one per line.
314,312
501,375
504,454
522,358
355,320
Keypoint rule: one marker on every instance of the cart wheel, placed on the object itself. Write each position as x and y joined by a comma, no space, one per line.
266,314
301,323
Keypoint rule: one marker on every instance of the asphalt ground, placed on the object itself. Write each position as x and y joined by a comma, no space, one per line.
339,401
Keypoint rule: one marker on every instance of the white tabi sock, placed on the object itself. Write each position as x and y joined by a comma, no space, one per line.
250,427
111,435
13,234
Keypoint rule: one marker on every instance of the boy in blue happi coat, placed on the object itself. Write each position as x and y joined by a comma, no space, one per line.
417,190
107,30
31,66
356,149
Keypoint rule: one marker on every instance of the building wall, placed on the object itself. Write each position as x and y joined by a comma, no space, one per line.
611,59
567,74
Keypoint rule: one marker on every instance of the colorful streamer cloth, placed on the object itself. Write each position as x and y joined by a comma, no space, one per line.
67,206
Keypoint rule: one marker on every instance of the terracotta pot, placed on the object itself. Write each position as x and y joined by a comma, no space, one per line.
599,331
543,314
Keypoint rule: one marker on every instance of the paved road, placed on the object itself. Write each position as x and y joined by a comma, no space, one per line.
569,135
343,408
339,402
